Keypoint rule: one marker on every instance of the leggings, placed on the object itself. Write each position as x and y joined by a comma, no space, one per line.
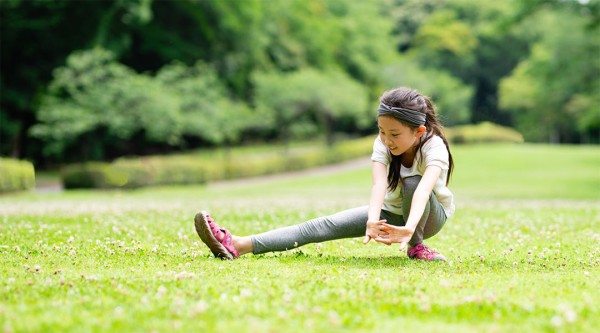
352,223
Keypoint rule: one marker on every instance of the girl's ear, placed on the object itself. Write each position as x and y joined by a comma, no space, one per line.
421,130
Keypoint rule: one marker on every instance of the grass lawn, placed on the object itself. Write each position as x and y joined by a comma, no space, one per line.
523,250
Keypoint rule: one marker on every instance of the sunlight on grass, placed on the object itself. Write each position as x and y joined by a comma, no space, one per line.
131,261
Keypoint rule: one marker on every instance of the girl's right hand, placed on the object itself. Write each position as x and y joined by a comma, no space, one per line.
374,230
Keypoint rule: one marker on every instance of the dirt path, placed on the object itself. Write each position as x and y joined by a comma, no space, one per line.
324,170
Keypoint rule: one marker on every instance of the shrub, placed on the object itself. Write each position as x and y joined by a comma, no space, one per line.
483,132
92,175
133,173
218,165
16,175
157,170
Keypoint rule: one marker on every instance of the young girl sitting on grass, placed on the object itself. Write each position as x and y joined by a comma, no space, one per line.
410,200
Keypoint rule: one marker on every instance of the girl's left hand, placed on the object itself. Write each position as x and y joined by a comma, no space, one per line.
393,234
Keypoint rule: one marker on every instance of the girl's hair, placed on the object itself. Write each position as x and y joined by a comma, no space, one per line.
411,99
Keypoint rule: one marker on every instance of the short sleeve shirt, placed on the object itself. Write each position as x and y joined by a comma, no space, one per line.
433,152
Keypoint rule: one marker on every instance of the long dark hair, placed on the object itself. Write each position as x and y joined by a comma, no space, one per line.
411,99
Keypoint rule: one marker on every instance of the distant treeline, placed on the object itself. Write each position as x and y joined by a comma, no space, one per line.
96,80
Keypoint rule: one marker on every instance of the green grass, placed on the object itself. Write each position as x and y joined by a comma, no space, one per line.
523,249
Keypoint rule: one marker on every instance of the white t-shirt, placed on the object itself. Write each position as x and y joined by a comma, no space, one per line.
434,153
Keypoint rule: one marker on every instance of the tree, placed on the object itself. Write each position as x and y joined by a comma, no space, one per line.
553,93
325,96
208,110
466,40
36,37
94,103
452,97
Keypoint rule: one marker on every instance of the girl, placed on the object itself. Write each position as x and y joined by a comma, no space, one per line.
410,200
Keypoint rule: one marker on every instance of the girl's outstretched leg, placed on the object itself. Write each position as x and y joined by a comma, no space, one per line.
345,224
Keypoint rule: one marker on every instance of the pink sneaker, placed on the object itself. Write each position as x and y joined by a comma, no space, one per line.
218,239
422,252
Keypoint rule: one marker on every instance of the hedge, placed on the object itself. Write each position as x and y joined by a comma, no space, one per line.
202,168
132,173
485,132
16,175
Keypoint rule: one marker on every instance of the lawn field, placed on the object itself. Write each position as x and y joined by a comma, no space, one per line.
523,251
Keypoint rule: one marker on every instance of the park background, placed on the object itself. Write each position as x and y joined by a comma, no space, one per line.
97,80
147,111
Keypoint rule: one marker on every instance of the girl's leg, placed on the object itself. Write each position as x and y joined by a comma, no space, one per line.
345,224
433,218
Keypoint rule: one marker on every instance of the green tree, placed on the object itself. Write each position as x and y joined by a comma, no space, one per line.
94,103
452,97
36,37
208,110
465,39
554,93
327,97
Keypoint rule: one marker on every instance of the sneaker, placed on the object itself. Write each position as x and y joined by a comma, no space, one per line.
422,252
218,240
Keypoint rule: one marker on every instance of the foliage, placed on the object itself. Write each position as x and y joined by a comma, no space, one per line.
27,62
451,97
484,132
16,175
94,101
297,97
205,106
554,92
92,175
461,50
190,169
465,40
98,261
133,173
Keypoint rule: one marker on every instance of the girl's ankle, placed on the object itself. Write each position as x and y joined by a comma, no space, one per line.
242,244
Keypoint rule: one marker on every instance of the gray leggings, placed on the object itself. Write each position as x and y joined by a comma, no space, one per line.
352,223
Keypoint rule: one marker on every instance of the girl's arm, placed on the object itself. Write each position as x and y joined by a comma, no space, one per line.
392,234
378,191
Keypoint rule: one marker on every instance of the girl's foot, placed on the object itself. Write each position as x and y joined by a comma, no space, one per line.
218,240
423,252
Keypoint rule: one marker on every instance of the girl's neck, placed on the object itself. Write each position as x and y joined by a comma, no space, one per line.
408,157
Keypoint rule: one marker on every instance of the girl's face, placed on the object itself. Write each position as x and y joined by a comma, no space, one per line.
396,136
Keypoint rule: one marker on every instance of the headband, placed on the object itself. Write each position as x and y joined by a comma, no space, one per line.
409,116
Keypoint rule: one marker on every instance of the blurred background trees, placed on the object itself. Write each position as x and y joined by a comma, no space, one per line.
96,80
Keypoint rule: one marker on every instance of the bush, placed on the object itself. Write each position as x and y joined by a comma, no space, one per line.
483,132
133,173
16,175
160,170
92,175
216,165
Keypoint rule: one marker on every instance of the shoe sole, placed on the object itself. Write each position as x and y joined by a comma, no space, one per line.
203,230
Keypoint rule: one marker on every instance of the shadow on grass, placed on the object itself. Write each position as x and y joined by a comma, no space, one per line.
376,262
457,265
